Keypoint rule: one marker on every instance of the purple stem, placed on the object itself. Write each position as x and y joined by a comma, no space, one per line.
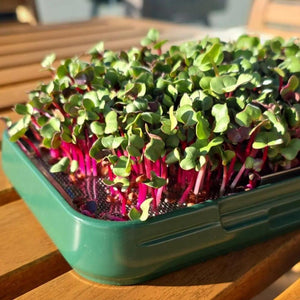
94,167
111,178
32,145
89,190
95,188
241,171
123,200
164,174
188,189
148,167
200,180
54,153
135,167
80,161
179,176
142,194
231,168
224,180
22,147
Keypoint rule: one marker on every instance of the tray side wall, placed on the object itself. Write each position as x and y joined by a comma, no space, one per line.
131,252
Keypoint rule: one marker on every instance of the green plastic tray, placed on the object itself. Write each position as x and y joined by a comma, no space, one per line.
131,252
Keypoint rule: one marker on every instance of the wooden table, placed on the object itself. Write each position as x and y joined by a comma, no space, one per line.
30,265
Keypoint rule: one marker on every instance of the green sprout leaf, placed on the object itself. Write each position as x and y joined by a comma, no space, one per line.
173,156
97,128
48,61
74,166
213,54
111,121
155,181
122,167
145,206
291,150
220,112
186,115
19,129
98,48
202,127
189,160
154,149
134,214
143,213
24,109
112,142
250,114
173,120
96,150
61,165
291,86
264,139
152,37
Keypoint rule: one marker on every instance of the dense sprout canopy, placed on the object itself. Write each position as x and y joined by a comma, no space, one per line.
203,117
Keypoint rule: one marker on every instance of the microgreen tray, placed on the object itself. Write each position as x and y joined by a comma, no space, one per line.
130,252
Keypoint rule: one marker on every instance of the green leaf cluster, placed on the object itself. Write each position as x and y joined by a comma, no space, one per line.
191,104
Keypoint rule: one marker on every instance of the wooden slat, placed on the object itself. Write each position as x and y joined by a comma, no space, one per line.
238,275
23,29
256,18
126,41
16,93
278,32
7,192
28,257
275,18
8,5
63,41
33,71
291,293
36,56
8,196
26,79
25,34
22,74
287,12
9,114
4,182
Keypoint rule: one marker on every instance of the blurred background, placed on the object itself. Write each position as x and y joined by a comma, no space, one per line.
220,16
212,13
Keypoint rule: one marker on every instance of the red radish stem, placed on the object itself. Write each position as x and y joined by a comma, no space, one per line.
231,169
55,153
164,175
200,180
224,180
32,145
265,156
241,171
188,189
142,194
280,83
